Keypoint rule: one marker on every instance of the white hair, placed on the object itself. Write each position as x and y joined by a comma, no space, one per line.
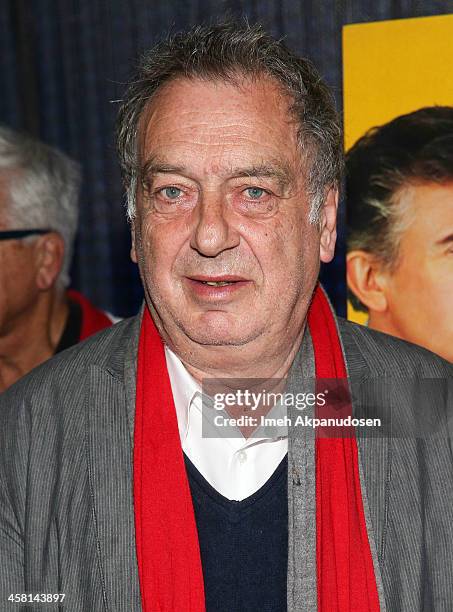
42,190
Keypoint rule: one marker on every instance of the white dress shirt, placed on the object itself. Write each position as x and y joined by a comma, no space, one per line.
235,467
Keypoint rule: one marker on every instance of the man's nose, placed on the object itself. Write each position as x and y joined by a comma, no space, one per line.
213,232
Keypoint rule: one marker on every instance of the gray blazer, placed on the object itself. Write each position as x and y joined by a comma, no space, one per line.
66,505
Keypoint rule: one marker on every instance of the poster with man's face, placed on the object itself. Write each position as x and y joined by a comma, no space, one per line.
398,100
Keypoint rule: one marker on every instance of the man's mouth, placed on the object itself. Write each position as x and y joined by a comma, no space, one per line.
217,281
216,287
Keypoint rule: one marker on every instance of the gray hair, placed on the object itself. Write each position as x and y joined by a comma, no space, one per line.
43,189
225,51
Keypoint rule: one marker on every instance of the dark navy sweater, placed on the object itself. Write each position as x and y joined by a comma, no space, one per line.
243,544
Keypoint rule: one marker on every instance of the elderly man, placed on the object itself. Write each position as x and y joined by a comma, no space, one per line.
39,190
111,498
399,185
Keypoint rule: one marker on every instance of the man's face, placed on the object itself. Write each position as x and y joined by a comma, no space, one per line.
224,203
18,290
420,290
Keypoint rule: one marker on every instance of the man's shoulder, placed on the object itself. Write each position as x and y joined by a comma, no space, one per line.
383,354
67,370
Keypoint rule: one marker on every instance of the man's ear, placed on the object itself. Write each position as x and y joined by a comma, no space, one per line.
49,255
328,226
366,279
133,249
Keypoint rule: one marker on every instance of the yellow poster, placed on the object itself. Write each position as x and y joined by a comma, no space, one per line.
398,118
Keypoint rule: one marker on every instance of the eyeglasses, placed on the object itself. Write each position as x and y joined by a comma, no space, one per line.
23,233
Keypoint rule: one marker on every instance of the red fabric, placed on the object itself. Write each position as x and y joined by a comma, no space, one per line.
168,555
93,320
345,572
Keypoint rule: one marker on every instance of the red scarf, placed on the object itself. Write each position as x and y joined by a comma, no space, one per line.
168,555
345,572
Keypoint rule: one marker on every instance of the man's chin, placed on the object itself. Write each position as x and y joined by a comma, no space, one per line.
220,331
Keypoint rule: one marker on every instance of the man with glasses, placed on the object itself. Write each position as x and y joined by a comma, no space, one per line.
39,189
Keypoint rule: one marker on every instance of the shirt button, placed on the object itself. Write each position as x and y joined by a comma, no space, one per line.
242,456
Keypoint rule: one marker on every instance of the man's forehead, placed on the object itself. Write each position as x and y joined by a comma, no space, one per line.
212,105
425,212
425,197
219,134
246,85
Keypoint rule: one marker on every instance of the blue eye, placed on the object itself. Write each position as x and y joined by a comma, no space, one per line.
172,192
255,193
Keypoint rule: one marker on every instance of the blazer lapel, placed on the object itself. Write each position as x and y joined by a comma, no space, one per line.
109,435
302,584
130,372
374,462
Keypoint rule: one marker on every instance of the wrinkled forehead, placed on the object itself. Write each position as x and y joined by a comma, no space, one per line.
219,118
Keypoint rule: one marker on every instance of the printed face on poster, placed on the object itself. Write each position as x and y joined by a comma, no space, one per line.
398,117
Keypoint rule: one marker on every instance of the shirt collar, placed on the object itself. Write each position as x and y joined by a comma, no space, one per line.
184,388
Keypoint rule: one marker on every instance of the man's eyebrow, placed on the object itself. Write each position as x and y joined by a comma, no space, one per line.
445,239
156,166
280,172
